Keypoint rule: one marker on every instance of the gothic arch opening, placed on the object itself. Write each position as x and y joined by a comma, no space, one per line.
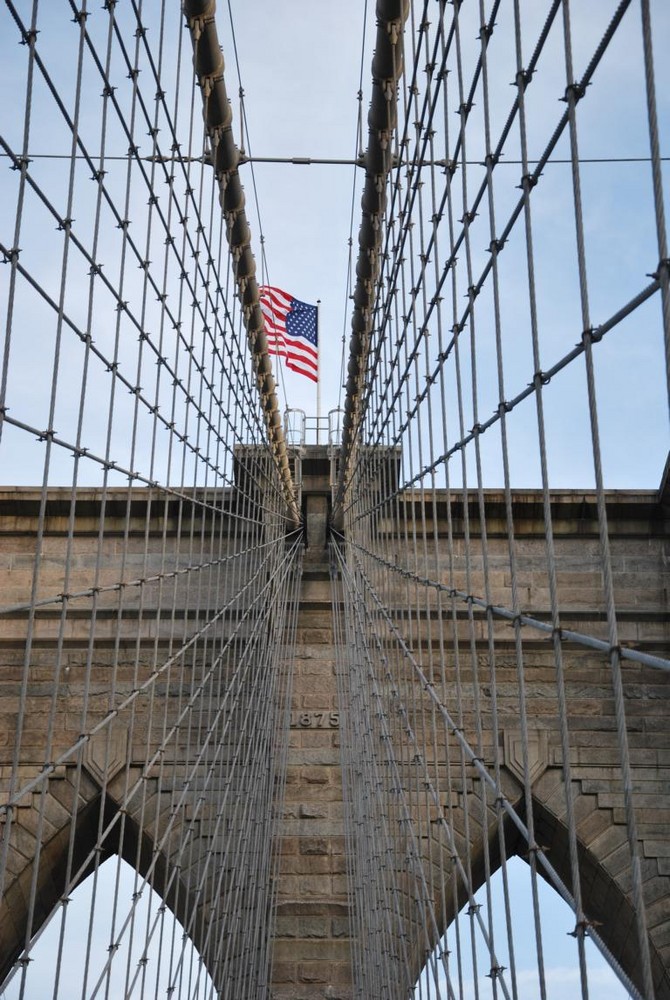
66,852
605,882
463,951
605,868
106,934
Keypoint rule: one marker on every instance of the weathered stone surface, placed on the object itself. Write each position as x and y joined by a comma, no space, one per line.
312,946
311,886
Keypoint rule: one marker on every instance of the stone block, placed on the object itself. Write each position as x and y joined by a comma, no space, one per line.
657,848
658,912
312,950
314,927
284,972
340,927
313,845
287,927
312,972
310,811
593,825
317,775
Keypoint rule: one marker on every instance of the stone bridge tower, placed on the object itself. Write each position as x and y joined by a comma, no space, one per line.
315,922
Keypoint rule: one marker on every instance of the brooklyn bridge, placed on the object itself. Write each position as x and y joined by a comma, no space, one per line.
353,685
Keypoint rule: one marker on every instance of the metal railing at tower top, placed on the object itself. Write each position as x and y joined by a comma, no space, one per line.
302,429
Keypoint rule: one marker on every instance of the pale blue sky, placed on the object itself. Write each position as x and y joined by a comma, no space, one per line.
299,68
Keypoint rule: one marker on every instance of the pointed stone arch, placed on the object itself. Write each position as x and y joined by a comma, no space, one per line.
71,848
604,866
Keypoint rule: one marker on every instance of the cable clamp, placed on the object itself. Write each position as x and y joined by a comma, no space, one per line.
528,182
534,849
663,268
581,928
504,407
523,78
20,162
517,621
575,91
591,336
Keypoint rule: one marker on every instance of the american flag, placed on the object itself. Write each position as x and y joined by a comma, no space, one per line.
291,330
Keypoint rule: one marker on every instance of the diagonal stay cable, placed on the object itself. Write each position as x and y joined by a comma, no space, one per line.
50,767
247,661
508,614
488,780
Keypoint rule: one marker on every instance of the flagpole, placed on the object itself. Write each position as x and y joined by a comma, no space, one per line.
318,372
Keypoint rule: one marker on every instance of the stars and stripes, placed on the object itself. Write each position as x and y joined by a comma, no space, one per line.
291,330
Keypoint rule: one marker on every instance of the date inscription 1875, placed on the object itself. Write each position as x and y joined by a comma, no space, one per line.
315,720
